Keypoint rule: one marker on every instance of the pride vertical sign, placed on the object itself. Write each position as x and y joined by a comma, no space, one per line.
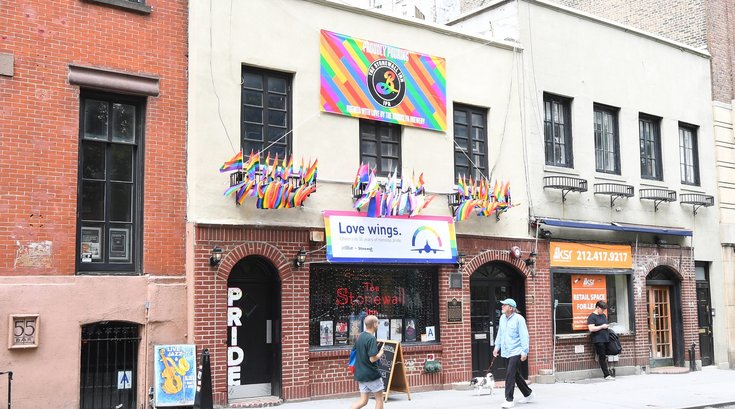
363,79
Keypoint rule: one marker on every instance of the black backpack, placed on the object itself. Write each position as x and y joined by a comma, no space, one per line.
613,346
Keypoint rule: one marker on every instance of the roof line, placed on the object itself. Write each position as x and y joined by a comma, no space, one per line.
587,16
437,28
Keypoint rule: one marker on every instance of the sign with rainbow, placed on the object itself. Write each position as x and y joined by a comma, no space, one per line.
355,238
363,79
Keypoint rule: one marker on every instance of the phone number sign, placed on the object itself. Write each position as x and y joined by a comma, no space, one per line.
590,255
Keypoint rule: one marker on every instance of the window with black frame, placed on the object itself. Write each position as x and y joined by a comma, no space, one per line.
650,147
380,146
110,176
617,297
266,112
558,130
607,151
688,154
405,300
470,142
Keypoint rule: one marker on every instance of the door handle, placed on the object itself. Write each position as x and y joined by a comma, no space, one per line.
268,333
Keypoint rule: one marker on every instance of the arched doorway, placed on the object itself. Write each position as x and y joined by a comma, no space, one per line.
665,325
489,285
253,330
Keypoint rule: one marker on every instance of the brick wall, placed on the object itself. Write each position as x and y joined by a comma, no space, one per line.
309,374
39,124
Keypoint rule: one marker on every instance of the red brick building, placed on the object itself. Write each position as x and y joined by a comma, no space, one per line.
92,227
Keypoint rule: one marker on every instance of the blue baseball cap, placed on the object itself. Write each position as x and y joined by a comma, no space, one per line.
509,301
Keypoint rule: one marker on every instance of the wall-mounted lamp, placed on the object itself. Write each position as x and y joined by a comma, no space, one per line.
215,257
461,259
531,260
300,258
544,234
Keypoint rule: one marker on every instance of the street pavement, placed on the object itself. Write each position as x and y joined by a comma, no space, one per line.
709,388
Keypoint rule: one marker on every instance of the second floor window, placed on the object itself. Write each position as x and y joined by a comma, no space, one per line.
688,154
380,146
558,130
266,112
470,137
110,183
650,144
607,157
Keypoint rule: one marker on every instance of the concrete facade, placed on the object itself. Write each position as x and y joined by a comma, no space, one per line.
122,46
592,61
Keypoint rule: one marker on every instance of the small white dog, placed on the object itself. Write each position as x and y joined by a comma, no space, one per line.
486,382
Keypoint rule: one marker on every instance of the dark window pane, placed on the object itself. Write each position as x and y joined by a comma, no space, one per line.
121,202
121,167
95,119
369,148
460,117
123,123
277,101
93,160
253,132
276,134
277,85
254,98
254,81
276,118
388,149
93,201
253,115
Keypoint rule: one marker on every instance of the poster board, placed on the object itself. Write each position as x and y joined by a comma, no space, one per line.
587,289
174,375
392,370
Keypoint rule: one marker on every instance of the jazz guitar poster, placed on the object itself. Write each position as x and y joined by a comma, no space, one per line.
175,374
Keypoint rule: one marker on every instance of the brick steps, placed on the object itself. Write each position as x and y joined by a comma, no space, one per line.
261,402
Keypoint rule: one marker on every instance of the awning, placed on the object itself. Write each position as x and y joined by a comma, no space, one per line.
626,227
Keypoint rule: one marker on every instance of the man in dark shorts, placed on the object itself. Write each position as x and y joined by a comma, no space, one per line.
366,367
597,323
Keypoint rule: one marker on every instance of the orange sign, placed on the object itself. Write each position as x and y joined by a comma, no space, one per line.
590,255
587,289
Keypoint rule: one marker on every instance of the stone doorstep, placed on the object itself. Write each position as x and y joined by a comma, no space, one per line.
261,402
668,370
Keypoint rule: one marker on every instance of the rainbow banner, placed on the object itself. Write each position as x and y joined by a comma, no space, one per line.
355,238
369,80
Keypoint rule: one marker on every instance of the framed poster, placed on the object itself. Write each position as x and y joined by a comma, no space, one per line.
174,375
326,333
396,329
341,335
91,240
410,329
23,331
383,329
119,244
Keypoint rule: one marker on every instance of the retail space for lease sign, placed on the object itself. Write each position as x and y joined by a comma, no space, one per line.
365,79
354,238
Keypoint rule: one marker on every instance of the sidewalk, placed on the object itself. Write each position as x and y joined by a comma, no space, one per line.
699,389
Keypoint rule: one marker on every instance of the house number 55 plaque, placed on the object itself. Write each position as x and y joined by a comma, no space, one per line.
23,331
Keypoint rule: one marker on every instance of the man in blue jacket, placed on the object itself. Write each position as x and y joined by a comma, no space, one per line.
512,344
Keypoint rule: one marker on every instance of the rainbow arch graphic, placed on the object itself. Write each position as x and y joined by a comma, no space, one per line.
430,231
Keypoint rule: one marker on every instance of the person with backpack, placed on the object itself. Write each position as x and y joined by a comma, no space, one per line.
366,365
597,324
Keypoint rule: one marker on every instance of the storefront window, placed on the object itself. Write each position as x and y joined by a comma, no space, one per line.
574,303
403,298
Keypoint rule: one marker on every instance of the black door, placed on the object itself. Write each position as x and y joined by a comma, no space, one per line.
253,335
109,365
704,317
489,285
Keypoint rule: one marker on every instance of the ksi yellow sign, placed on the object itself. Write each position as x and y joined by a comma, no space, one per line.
590,255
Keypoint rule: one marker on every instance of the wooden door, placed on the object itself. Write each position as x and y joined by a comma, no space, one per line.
659,322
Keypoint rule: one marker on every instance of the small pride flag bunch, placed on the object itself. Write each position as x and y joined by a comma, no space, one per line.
276,185
389,198
477,195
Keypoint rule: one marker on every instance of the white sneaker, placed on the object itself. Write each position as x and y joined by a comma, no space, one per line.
507,404
528,398
609,378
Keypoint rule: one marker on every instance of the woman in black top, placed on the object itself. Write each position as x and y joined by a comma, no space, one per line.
597,324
